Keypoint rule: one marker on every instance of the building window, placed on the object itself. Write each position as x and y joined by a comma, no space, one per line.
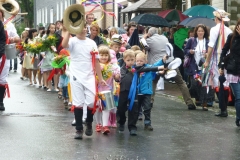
42,16
61,10
57,12
46,14
65,4
51,15
184,6
38,16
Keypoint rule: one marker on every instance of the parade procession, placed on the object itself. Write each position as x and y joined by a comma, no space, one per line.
119,79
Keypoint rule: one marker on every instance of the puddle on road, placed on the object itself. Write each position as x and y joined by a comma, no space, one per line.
22,115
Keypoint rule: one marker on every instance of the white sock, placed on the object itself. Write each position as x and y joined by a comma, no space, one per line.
98,116
105,117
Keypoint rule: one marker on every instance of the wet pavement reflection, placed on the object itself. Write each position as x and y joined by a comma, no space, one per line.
35,125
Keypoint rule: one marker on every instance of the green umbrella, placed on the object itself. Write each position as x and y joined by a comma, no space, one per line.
180,36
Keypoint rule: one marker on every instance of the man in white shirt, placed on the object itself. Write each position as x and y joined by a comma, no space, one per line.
12,35
5,63
89,20
220,16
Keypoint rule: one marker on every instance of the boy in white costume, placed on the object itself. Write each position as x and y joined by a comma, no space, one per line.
82,77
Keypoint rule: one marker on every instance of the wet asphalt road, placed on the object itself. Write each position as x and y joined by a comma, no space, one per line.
35,125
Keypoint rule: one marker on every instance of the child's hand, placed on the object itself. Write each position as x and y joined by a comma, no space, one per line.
102,82
165,57
117,77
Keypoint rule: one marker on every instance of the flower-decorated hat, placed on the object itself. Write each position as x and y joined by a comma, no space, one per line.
221,14
74,18
117,38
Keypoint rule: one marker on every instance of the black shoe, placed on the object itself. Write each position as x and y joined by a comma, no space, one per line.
237,122
88,130
133,133
148,127
191,107
2,108
197,103
140,117
222,114
121,128
79,135
209,105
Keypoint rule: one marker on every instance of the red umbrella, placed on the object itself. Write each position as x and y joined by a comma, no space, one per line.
172,15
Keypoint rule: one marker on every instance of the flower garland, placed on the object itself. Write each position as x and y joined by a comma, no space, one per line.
131,69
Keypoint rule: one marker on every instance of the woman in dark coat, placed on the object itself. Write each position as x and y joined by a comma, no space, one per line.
196,48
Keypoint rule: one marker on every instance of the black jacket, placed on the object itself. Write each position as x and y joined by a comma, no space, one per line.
234,52
127,76
2,39
98,40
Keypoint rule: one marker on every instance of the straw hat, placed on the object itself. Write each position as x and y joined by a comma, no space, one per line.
221,14
74,18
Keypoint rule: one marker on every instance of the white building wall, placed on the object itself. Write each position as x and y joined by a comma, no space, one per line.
219,4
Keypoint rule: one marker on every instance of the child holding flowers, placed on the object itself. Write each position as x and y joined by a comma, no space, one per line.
46,67
110,72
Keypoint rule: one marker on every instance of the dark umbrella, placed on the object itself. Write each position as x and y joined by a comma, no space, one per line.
134,39
150,20
173,15
194,21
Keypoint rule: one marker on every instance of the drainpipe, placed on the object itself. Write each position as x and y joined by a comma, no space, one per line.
113,24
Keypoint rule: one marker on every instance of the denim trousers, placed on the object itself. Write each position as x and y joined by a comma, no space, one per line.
15,64
236,91
65,92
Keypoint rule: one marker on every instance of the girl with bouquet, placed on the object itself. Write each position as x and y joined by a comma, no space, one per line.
110,73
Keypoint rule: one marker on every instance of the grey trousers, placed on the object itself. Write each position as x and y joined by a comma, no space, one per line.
181,85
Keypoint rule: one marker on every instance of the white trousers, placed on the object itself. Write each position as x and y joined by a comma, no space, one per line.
160,84
81,95
5,72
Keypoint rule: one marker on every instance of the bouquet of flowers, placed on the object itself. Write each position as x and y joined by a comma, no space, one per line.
49,42
59,61
19,47
107,71
35,47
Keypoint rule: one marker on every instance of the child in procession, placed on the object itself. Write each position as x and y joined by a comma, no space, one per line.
110,74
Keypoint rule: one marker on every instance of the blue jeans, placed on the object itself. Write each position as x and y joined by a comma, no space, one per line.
65,92
15,64
236,91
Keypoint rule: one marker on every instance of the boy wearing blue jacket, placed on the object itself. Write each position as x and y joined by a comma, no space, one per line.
139,94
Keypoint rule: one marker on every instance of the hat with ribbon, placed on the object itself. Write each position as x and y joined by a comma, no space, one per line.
74,18
117,38
221,14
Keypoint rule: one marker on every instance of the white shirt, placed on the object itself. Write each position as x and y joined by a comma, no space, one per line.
200,48
81,60
11,30
214,34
